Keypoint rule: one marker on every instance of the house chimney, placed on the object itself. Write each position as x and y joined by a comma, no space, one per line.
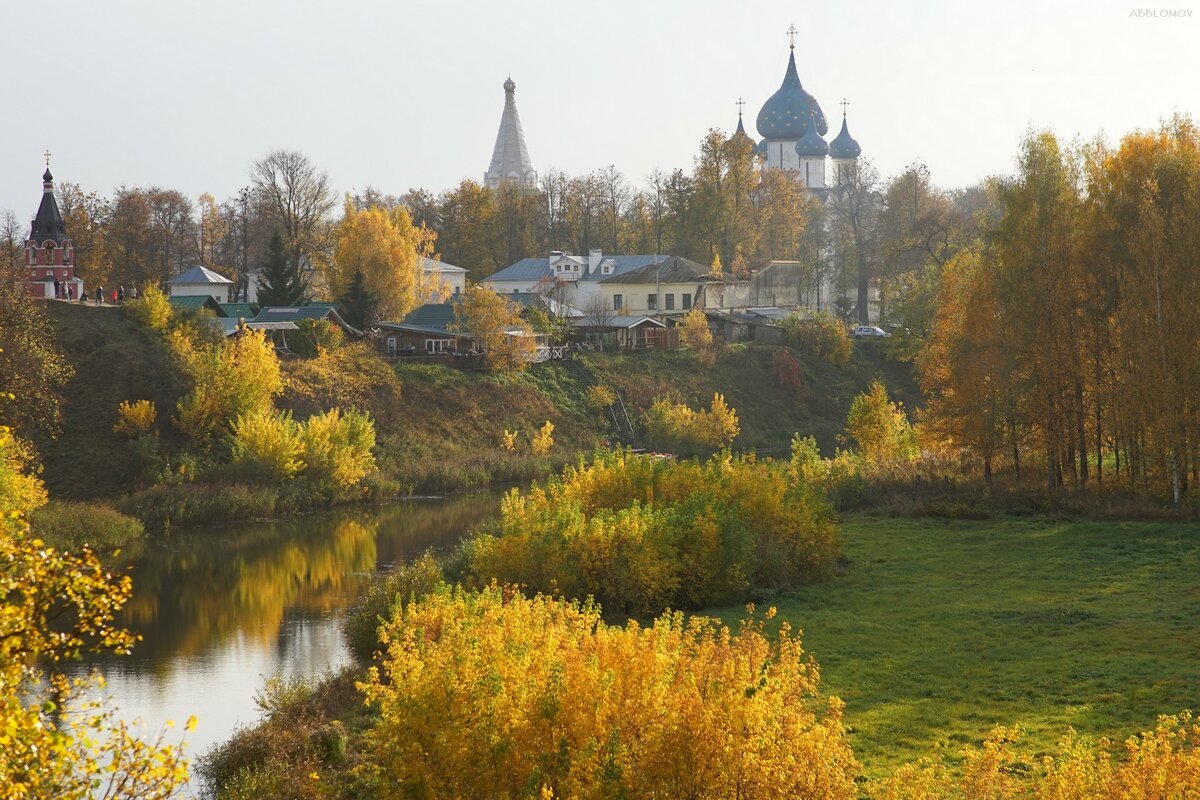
593,260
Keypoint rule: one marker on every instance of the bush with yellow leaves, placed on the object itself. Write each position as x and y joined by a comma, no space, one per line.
490,694
152,309
640,533
338,449
543,440
508,440
600,397
268,442
681,429
1163,763
135,419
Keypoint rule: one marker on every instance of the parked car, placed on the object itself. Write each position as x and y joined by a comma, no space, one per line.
867,332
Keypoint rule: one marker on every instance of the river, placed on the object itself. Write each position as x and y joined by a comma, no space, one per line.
221,609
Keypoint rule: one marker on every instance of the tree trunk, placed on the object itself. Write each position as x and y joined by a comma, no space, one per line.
1081,434
864,285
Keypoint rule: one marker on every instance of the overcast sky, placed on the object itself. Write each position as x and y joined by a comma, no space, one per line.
186,94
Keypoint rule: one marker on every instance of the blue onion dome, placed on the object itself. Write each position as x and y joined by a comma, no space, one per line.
843,145
785,114
811,145
761,148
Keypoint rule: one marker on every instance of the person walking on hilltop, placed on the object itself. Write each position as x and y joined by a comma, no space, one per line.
121,295
99,295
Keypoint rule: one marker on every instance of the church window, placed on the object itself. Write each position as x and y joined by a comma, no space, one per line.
670,298
652,302
618,301
687,301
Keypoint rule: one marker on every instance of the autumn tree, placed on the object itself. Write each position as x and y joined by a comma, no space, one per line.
880,429
496,327
231,379
695,335
33,368
386,249
58,741
87,218
966,366
467,219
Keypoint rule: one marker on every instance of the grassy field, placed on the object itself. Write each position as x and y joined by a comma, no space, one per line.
940,630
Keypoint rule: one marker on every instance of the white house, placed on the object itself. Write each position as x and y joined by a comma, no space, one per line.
441,280
198,281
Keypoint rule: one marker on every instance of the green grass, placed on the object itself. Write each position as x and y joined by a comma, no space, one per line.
940,630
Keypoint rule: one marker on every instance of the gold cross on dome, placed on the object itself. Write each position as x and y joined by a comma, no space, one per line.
47,156
844,103
740,103
791,32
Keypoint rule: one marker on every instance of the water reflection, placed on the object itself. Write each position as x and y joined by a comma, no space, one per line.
220,609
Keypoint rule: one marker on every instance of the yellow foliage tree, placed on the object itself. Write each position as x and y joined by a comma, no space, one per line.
492,695
234,377
152,309
338,448
385,246
543,440
694,332
270,442
885,438
55,740
20,487
136,418
496,326
508,440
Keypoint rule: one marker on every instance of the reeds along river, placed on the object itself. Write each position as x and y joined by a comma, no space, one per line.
219,610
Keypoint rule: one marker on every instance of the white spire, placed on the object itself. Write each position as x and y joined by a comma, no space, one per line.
510,158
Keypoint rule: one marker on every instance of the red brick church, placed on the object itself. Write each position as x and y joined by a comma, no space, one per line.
49,253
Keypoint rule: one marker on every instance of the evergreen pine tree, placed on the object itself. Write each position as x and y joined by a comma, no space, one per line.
358,305
281,283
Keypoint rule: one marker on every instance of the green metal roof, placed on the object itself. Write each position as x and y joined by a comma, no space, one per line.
432,315
194,302
235,310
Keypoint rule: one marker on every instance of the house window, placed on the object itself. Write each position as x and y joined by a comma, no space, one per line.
439,345
618,302
670,298
652,302
687,301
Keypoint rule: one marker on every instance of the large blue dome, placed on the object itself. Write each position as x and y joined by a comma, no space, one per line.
785,115
843,145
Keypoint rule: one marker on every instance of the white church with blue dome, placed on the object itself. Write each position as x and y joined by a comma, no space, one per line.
794,128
